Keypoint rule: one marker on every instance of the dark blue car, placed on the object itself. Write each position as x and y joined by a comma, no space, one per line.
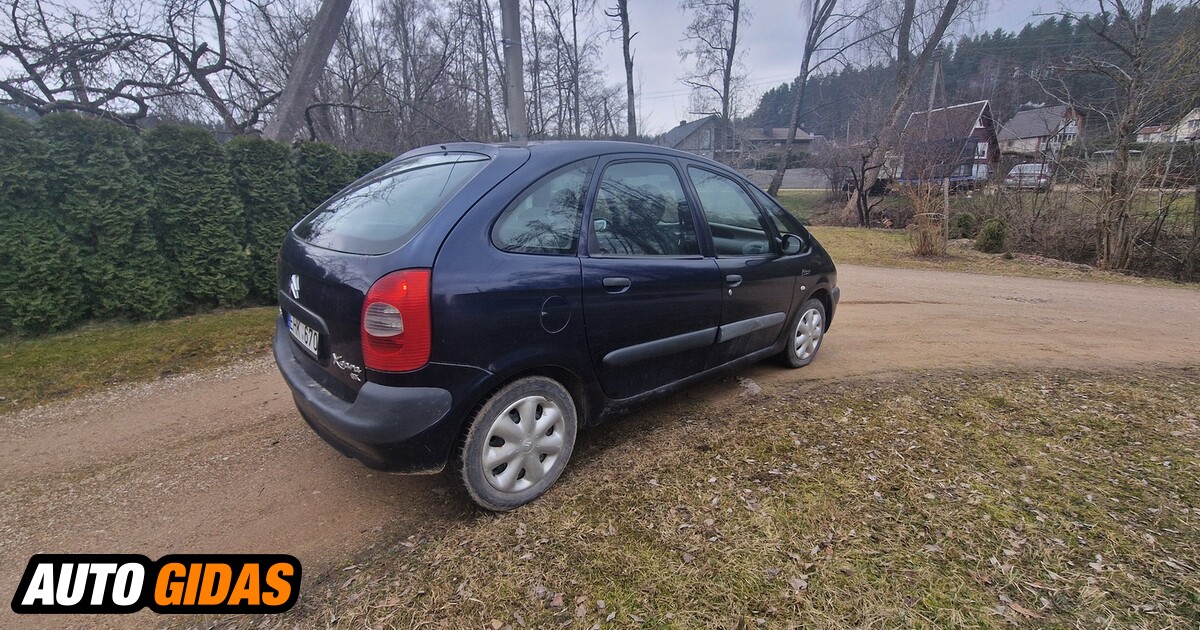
479,303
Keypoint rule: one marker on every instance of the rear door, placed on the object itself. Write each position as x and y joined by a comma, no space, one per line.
756,279
651,301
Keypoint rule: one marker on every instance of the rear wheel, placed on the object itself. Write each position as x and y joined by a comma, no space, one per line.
519,443
805,334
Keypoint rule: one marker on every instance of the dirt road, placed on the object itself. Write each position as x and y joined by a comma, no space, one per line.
221,462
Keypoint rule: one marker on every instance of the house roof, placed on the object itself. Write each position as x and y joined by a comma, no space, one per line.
1148,129
1034,123
945,123
676,136
775,133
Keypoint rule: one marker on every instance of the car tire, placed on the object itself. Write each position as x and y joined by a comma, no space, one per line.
804,334
524,430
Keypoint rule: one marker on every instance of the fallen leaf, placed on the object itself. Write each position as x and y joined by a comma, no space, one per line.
1023,610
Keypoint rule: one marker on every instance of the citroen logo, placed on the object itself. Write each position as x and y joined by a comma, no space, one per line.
294,285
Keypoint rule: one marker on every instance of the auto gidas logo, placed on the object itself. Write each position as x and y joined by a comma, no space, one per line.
185,583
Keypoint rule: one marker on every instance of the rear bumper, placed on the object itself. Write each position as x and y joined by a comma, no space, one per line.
400,429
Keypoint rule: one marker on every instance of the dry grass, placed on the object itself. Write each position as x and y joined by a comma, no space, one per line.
891,248
1033,500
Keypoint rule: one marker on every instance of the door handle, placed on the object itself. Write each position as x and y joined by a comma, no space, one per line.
733,280
617,284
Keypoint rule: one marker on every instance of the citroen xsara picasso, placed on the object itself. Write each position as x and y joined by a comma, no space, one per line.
480,303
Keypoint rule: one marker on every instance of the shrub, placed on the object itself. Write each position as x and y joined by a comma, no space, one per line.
197,218
992,236
40,287
264,180
367,161
962,225
94,180
321,171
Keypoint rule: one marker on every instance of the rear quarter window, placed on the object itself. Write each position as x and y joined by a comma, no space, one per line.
545,218
380,214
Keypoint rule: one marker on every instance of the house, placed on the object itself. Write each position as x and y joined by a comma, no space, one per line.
1153,134
763,139
957,143
700,137
1187,129
1040,133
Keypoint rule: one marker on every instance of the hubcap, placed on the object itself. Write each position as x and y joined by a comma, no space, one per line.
808,334
523,444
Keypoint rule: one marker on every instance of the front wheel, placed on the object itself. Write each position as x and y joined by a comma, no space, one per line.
805,334
518,444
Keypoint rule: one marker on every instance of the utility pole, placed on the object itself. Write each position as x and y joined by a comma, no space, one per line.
309,65
514,67
937,74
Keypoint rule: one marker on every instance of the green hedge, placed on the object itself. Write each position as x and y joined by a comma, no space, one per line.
98,221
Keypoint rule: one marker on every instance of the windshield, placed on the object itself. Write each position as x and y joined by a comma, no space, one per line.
378,215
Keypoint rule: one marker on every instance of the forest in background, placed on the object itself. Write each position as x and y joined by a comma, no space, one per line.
1008,69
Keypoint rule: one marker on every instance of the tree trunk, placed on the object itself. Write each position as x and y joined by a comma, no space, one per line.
309,64
623,14
1115,235
727,82
908,70
518,125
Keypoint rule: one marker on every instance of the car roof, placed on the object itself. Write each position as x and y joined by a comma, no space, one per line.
564,151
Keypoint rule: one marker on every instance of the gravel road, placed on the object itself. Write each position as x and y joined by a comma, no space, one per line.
221,461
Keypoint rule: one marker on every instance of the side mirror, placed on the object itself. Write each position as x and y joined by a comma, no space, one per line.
792,244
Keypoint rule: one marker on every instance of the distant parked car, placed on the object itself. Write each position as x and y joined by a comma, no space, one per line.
1029,177
478,304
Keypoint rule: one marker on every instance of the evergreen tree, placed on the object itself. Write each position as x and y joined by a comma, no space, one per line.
40,286
198,219
321,170
94,180
264,180
367,161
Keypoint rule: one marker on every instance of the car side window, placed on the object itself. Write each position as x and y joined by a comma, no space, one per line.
640,210
784,222
736,225
545,218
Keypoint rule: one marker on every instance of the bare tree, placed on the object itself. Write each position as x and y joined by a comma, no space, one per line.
1140,72
116,59
620,13
712,36
910,37
824,41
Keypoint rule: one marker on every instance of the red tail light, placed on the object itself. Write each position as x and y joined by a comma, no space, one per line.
396,330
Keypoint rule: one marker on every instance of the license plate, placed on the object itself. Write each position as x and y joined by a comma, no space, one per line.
308,337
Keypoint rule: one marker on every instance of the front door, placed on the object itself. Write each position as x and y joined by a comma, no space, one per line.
757,288
651,302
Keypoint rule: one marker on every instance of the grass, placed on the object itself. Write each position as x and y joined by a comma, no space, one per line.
33,371
890,248
1051,499
802,203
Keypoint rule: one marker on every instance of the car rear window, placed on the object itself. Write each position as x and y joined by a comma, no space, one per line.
378,215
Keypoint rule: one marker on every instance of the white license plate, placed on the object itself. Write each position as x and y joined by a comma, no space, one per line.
308,337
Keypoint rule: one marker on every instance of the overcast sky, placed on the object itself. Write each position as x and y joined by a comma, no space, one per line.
772,42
